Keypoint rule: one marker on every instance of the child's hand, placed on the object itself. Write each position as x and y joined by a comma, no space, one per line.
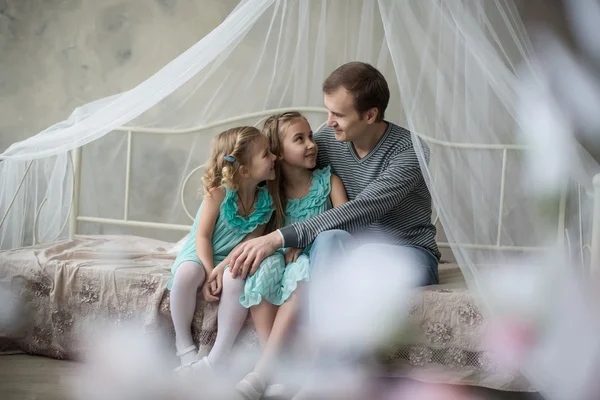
206,292
216,281
291,255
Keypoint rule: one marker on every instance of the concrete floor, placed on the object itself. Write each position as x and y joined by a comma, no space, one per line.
24,377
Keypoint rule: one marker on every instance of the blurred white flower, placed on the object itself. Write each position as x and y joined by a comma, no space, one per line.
546,131
523,288
565,361
358,302
126,363
542,320
586,14
548,317
558,110
123,364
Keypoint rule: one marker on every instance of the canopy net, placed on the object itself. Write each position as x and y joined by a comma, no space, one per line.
457,70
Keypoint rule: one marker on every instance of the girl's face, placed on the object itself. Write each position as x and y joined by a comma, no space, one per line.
298,147
262,163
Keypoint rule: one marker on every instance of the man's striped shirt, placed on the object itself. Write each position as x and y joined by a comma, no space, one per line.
388,195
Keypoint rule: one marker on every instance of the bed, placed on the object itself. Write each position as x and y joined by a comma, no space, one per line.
67,289
70,288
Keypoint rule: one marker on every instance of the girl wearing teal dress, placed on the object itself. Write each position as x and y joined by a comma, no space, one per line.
234,209
299,192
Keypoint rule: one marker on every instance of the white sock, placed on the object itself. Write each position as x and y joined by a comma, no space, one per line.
230,318
188,278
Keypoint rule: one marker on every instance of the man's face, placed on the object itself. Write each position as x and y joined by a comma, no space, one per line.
346,122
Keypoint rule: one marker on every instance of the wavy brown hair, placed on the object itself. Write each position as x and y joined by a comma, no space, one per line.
235,144
274,128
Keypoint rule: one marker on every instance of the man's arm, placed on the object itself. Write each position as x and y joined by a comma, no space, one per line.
379,197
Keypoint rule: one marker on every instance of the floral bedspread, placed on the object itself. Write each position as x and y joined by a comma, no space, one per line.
63,292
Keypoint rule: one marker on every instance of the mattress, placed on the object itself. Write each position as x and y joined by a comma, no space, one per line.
68,290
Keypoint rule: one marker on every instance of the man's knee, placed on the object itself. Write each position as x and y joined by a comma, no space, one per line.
334,236
328,247
425,264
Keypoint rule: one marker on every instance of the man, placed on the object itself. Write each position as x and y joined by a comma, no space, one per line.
376,161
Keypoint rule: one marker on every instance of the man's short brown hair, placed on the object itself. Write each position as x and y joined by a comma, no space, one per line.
367,85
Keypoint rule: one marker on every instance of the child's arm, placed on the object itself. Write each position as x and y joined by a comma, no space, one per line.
338,192
206,225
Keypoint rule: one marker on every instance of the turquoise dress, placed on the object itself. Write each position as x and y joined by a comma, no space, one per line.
274,281
230,228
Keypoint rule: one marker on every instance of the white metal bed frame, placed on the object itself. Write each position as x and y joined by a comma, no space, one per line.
74,217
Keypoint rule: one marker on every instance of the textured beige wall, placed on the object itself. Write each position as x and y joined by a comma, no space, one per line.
56,55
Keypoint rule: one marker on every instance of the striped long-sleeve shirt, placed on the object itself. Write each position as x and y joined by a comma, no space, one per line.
387,192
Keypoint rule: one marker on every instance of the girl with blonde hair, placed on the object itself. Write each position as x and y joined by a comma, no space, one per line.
235,208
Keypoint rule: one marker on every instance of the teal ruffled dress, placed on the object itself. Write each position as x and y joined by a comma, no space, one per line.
274,281
230,228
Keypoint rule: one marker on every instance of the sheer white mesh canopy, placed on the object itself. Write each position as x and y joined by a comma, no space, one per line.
455,69
452,66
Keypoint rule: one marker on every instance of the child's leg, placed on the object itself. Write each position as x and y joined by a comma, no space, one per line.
263,316
230,318
292,286
274,322
282,326
188,278
261,292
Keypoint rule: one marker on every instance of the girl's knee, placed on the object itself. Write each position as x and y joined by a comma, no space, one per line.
232,284
189,274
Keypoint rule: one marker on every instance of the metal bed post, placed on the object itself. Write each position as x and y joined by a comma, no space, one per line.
73,223
595,245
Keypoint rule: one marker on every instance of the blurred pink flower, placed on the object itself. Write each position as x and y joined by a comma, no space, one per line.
508,342
429,391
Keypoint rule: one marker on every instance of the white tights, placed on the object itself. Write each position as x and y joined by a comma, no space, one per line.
230,318
189,277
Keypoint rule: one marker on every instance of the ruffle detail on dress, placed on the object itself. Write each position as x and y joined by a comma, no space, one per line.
300,209
263,209
265,283
298,271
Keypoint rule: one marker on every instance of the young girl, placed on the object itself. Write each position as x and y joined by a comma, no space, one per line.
234,209
303,192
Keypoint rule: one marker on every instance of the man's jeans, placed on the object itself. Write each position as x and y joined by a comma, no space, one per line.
330,246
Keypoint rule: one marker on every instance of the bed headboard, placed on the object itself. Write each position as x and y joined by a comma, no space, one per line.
321,114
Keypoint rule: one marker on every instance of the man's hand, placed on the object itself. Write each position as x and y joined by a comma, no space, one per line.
246,258
206,292
291,255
